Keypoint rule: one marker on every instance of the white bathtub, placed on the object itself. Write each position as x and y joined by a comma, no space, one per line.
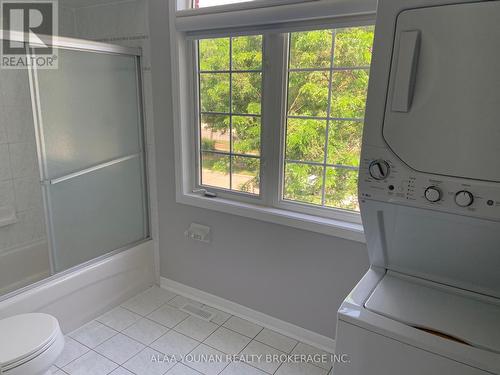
80,295
23,266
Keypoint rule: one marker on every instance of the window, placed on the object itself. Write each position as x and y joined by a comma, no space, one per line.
230,94
269,106
327,84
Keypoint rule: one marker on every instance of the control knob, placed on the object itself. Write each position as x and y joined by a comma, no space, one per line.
433,194
464,198
379,169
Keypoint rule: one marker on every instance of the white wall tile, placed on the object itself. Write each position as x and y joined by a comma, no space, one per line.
30,227
15,87
112,20
3,129
7,193
5,173
23,159
18,123
28,193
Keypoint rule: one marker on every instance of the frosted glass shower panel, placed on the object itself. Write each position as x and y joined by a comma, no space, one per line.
89,110
92,156
97,212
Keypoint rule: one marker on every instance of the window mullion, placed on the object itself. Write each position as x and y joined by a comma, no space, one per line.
328,121
274,90
230,113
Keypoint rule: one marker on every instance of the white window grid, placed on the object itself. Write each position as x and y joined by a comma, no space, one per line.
272,157
328,118
229,114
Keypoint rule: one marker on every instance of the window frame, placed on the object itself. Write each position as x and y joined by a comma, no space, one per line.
309,208
185,7
270,205
273,42
222,192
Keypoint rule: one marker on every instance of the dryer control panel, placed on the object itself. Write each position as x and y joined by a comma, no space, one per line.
383,177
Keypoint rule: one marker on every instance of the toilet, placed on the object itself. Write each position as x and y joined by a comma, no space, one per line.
29,344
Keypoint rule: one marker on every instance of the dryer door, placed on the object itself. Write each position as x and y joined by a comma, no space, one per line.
443,105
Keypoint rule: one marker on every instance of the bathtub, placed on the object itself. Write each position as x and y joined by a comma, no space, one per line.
79,295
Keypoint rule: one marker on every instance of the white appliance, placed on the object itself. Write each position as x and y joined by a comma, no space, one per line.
429,190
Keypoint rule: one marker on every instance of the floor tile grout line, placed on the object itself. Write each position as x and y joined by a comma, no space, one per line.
199,342
88,347
253,338
132,338
289,352
137,295
91,350
247,363
243,333
112,359
322,368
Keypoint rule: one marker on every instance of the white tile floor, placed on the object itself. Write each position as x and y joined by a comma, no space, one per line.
141,335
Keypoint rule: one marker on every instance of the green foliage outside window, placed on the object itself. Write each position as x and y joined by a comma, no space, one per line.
230,101
327,86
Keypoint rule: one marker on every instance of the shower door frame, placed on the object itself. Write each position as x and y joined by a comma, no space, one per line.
96,47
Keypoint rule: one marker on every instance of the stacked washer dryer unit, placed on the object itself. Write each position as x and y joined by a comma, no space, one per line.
429,191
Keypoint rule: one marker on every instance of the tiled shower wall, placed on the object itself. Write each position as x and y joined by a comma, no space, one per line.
19,186
24,255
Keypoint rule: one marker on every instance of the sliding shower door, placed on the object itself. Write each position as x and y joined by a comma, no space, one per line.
91,153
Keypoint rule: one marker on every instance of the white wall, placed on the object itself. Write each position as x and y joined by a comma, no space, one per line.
297,276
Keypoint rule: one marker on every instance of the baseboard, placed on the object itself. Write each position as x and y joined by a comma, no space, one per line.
264,320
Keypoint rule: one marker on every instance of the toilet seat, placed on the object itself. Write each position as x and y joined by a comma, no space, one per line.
26,337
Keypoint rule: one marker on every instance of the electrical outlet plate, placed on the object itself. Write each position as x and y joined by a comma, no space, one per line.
198,232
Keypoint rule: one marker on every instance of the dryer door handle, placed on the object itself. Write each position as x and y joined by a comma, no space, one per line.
406,70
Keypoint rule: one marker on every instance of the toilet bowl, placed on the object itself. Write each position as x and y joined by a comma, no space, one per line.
29,344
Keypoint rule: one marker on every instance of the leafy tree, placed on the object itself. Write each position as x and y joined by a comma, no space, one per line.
318,60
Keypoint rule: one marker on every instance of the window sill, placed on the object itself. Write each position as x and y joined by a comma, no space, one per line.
332,227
